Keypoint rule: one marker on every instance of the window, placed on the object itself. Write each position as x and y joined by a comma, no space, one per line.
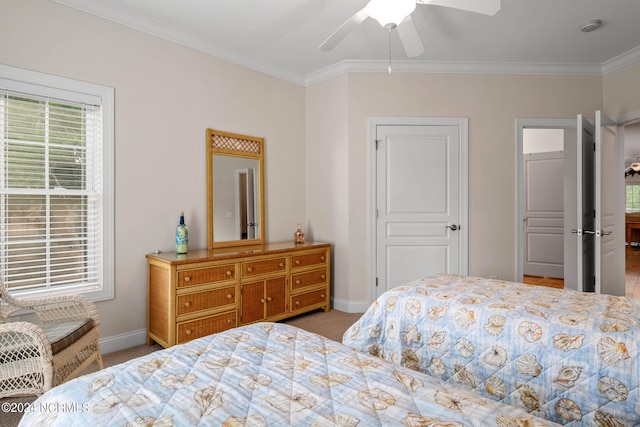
56,185
633,197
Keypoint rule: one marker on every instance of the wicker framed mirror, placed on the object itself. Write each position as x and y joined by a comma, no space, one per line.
235,190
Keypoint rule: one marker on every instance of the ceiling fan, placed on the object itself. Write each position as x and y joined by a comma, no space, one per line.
632,170
396,14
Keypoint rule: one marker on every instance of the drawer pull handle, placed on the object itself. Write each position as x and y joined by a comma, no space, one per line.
322,276
187,304
322,258
187,278
281,264
187,332
229,296
322,296
269,299
297,282
229,321
228,272
297,302
249,269
297,262
262,300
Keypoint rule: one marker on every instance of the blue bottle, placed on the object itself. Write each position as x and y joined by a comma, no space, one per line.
182,236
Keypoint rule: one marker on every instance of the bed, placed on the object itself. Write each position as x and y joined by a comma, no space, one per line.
565,356
265,374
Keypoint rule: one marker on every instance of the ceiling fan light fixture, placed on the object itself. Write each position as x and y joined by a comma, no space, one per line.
635,167
390,12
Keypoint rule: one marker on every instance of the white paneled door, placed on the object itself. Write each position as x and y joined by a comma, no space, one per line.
600,239
420,202
544,214
609,238
585,229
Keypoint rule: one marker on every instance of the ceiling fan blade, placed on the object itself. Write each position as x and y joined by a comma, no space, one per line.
339,34
485,7
410,38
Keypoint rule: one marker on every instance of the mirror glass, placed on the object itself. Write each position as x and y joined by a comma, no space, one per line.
235,198
235,187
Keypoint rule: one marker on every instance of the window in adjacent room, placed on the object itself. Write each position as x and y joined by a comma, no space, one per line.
56,185
633,197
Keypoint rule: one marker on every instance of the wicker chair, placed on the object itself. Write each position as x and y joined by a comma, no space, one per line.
35,357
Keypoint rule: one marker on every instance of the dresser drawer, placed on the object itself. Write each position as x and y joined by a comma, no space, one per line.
206,275
188,331
311,278
250,269
199,301
299,261
308,299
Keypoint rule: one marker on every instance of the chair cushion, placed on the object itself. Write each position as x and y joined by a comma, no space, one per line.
62,334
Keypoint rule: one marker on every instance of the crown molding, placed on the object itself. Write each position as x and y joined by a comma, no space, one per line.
162,30
622,61
451,68
110,12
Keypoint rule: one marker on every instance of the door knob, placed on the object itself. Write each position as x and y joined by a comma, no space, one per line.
452,227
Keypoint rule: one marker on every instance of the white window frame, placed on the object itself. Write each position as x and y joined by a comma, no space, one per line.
37,83
635,183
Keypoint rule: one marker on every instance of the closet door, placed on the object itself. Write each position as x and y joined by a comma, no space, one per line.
543,225
419,226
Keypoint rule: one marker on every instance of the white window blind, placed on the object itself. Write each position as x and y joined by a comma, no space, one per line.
52,191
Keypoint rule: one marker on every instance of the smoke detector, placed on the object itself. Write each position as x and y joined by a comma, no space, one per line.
591,26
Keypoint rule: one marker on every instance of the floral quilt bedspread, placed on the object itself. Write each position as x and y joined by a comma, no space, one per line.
566,356
265,374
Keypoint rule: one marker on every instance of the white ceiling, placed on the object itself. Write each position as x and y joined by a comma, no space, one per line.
631,144
282,37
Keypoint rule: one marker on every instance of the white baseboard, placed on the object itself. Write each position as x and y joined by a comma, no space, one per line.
123,341
350,306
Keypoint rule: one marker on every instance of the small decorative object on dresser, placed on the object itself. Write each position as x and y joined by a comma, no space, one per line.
209,291
299,235
182,236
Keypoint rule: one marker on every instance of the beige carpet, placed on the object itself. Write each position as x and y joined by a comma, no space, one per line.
331,325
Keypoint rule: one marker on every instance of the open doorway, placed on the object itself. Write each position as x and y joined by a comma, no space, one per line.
629,132
546,179
543,206
631,135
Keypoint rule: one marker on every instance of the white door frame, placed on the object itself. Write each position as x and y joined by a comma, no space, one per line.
463,125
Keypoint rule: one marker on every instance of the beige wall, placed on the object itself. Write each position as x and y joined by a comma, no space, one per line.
327,171
492,103
622,92
167,95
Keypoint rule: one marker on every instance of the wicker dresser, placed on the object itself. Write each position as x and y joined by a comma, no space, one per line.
208,291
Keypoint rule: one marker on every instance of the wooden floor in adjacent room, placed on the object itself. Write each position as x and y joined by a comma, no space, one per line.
544,281
632,275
